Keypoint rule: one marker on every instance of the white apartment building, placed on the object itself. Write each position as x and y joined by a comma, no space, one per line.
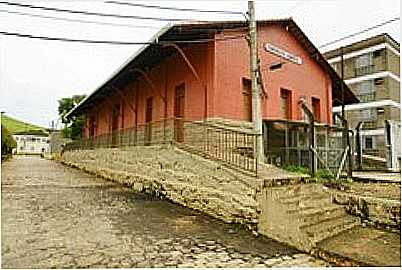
31,144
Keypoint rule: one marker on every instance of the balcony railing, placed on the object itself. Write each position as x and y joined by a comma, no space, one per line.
359,71
367,97
232,147
370,125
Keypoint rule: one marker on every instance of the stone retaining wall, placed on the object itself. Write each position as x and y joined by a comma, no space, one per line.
177,175
375,211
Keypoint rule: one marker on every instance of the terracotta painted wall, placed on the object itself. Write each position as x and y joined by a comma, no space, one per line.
221,66
232,63
167,75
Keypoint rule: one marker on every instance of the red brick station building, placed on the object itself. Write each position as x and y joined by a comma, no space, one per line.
197,71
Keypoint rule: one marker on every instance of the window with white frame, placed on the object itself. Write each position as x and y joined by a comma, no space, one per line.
369,142
368,114
364,60
366,87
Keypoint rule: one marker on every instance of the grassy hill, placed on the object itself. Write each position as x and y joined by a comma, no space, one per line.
15,126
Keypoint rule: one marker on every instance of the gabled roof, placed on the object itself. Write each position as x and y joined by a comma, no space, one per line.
151,53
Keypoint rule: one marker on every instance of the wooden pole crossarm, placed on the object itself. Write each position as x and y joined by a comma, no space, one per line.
149,81
124,99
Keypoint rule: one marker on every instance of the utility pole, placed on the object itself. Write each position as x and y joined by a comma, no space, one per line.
346,139
259,151
342,88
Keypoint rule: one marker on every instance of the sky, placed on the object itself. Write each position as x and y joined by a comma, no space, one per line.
35,74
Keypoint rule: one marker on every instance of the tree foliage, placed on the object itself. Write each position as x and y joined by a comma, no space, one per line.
73,125
7,141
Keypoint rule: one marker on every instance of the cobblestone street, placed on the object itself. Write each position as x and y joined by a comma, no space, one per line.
55,216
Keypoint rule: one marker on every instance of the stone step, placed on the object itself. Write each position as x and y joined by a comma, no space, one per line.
303,196
301,189
318,215
330,227
306,200
296,210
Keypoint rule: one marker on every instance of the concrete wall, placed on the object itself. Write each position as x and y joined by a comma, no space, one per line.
393,61
57,141
394,89
375,211
177,175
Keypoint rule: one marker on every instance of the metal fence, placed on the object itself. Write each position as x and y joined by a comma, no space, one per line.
232,147
379,148
157,132
289,143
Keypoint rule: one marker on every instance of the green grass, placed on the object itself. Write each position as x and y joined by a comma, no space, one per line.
15,126
296,169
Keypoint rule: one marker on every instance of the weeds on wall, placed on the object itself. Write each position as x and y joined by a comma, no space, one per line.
322,176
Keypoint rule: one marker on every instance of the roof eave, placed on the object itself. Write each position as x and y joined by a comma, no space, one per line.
153,39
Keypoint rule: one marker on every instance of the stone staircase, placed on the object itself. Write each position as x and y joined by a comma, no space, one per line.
301,215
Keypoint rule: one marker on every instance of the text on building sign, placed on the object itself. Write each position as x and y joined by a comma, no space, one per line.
282,53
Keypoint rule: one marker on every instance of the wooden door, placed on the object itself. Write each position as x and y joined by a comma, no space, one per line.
247,100
148,121
285,104
92,127
315,103
115,125
179,113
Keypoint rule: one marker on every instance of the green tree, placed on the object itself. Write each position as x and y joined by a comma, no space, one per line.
7,141
73,125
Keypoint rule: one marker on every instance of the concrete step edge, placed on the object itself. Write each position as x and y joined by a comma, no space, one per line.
305,197
330,224
334,215
336,230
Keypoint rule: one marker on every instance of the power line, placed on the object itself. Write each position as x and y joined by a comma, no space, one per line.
360,32
106,23
176,9
71,40
115,42
95,13
77,20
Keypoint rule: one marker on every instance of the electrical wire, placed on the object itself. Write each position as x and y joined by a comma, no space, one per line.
109,23
162,42
77,20
360,32
97,13
176,9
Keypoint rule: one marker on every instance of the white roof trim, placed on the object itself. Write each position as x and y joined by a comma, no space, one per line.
367,105
364,51
381,74
371,132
